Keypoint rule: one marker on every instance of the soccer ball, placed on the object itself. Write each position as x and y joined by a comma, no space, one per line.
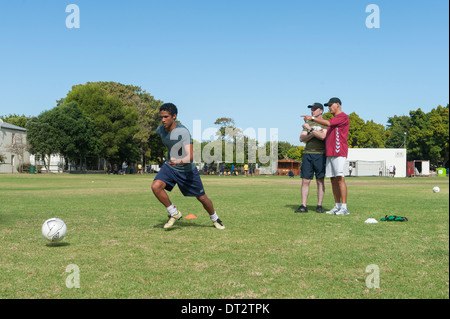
54,229
436,189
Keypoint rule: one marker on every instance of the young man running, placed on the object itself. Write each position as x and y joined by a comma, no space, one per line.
179,168
336,145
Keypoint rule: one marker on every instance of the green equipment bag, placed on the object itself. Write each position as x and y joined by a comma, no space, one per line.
394,218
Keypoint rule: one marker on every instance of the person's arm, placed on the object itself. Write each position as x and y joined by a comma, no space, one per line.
320,134
189,158
310,132
306,137
319,121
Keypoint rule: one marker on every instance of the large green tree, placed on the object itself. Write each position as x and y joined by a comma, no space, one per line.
116,123
355,131
397,131
438,120
78,135
63,130
147,108
418,136
125,115
42,137
428,135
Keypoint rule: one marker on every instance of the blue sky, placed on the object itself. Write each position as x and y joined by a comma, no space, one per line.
259,62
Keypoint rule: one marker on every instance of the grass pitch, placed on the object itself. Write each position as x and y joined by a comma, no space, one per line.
116,238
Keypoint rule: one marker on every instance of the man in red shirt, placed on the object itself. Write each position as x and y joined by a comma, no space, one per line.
336,151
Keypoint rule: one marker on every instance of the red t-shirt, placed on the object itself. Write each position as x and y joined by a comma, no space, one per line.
337,135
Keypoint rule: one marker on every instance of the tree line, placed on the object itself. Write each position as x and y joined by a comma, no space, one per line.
118,122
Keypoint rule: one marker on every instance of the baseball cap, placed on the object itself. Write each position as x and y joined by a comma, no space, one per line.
333,100
316,106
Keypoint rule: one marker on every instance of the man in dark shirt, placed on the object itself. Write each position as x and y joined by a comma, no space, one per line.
179,168
313,162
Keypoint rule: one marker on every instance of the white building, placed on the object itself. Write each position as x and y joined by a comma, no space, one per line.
56,163
13,141
370,161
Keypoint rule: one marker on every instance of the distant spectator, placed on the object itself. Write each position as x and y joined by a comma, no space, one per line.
124,167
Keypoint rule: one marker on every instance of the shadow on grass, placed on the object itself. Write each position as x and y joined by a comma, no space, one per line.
60,244
311,208
6,220
181,224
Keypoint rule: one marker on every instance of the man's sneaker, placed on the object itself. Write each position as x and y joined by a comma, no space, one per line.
302,209
218,224
172,220
333,211
319,209
343,211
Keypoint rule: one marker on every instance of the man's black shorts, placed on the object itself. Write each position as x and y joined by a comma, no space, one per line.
189,183
313,164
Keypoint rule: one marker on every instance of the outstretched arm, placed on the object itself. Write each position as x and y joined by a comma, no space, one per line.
319,121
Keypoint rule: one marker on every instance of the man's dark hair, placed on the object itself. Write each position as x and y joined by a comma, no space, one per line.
169,107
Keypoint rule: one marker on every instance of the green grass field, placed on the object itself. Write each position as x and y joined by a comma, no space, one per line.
115,237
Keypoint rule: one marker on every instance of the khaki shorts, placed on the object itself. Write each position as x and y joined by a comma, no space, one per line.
336,166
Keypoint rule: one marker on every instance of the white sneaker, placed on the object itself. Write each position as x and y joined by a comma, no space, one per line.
218,224
172,220
333,211
343,211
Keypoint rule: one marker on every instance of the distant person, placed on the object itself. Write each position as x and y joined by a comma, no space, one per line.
124,168
246,169
350,169
139,169
179,168
380,171
232,169
314,159
336,146
391,171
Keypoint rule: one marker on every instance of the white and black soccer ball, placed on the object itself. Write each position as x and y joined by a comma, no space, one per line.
436,189
54,229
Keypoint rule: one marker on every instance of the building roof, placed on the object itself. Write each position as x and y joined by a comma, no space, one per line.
11,126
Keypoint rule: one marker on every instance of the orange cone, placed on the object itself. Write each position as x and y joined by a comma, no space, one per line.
190,216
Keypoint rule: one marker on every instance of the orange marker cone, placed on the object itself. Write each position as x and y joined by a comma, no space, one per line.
190,216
